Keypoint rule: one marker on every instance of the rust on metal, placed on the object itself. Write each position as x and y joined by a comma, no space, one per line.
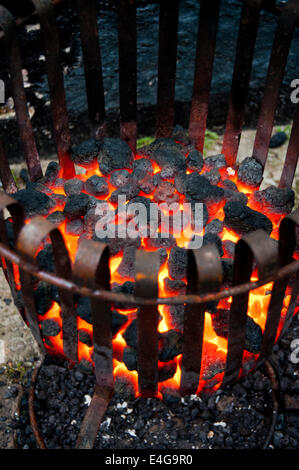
256,246
292,155
7,24
206,43
38,437
168,39
45,12
204,273
146,286
92,65
6,176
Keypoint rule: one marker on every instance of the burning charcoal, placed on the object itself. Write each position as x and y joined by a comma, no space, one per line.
215,226
171,345
250,172
86,152
56,217
130,335
278,139
125,288
176,313
229,184
120,178
181,135
215,161
235,196
198,188
124,388
33,202
59,183
163,255
118,321
114,154
74,227
45,259
85,366
213,176
85,337
52,172
127,265
254,335
229,248
58,200
77,205
277,200
227,269
141,168
177,263
43,298
170,396
167,154
97,186
194,161
165,192
73,186
175,286
146,203
38,186
213,239
242,219
166,371
129,190
84,309
130,358
160,242
180,183
10,233
50,328
147,184
216,367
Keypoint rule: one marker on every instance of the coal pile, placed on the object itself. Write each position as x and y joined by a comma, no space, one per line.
167,171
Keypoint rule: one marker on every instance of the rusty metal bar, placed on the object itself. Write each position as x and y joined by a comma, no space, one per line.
168,38
206,43
92,65
257,247
204,272
146,277
244,55
92,269
45,12
127,47
8,26
290,163
30,239
280,50
287,243
6,175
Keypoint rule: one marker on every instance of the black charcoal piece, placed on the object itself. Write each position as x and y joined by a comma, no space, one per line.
96,186
165,192
215,226
181,135
166,371
177,263
147,184
278,200
86,152
73,186
74,227
175,286
43,298
250,172
118,321
176,313
163,255
50,328
33,202
125,288
24,175
114,154
141,168
180,183
127,265
278,139
199,188
128,190
56,217
235,196
160,242
227,269
130,335
77,205
213,176
119,178
167,154
229,184
215,161
229,248
194,160
85,337
242,219
130,358
171,345
45,258
52,172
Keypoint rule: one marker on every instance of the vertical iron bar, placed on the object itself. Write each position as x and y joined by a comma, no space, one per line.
290,163
206,43
168,38
244,55
92,65
127,71
6,175
278,60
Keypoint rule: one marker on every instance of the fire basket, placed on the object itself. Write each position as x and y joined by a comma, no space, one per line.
260,278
